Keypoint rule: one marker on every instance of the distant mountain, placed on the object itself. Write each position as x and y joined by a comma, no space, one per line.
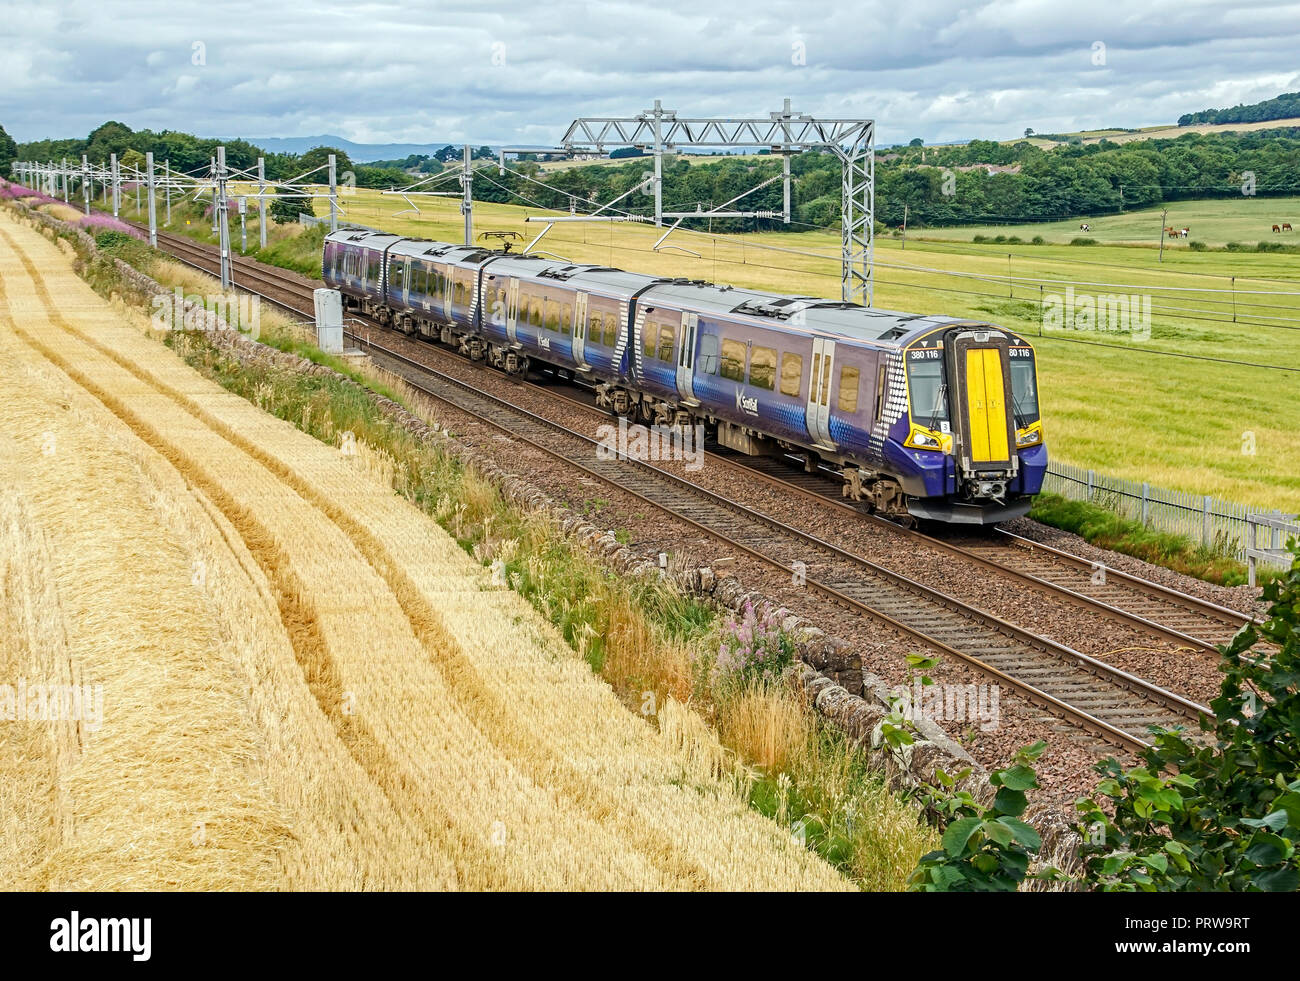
358,152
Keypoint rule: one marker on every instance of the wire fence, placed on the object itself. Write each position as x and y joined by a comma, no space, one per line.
1223,526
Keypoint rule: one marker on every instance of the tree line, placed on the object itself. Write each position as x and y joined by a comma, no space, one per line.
934,186
1285,106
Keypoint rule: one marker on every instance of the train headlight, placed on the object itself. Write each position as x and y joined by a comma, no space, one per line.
1031,435
928,439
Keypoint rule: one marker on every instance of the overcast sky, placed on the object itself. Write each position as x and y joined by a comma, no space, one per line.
488,72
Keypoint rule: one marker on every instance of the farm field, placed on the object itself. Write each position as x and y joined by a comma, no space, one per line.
1163,132
1166,408
1215,222
302,674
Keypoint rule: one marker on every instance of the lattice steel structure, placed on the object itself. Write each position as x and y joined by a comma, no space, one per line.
50,177
785,133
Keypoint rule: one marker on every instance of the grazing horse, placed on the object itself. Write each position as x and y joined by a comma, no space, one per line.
1276,229
1286,227
1171,232
1185,232
1085,227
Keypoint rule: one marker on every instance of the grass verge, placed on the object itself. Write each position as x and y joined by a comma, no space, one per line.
1106,529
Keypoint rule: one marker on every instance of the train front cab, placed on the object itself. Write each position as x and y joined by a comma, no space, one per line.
974,417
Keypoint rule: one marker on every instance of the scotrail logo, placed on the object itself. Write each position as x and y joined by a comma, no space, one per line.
1114,313
746,403
216,311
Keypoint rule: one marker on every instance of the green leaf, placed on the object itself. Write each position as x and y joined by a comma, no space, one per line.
1158,862
1019,777
958,833
1274,821
1267,849
948,877
1024,833
998,832
1278,880
1012,802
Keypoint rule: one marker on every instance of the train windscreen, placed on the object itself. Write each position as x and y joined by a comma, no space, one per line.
927,388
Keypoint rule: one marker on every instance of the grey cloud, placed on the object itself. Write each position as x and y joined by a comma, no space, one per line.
379,71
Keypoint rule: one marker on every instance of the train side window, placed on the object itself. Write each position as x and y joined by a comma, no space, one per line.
395,272
458,293
566,318
762,367
707,363
791,374
880,390
848,401
733,360
667,342
611,330
649,338
594,328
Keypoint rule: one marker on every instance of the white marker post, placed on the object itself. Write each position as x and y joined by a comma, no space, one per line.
153,202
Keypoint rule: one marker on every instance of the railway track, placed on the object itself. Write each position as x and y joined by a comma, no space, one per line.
1184,620
1102,700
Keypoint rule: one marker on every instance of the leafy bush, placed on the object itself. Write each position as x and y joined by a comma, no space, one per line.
980,239
1196,246
1083,241
984,850
753,650
284,211
1037,240
1223,817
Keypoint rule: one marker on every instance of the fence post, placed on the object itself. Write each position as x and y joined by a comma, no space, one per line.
1146,494
1205,520
1250,550
1092,479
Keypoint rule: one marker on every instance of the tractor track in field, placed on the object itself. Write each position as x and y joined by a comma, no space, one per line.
1114,705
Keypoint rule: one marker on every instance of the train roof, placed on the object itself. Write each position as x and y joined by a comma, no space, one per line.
817,314
836,317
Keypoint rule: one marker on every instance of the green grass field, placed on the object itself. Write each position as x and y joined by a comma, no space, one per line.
1247,220
1150,408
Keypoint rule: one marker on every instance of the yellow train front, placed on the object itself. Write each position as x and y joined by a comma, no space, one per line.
973,435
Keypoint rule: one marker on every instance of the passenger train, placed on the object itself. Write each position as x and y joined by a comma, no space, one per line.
925,417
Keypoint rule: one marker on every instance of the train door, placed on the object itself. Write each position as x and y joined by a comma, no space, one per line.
819,392
686,359
980,379
512,310
580,332
986,405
